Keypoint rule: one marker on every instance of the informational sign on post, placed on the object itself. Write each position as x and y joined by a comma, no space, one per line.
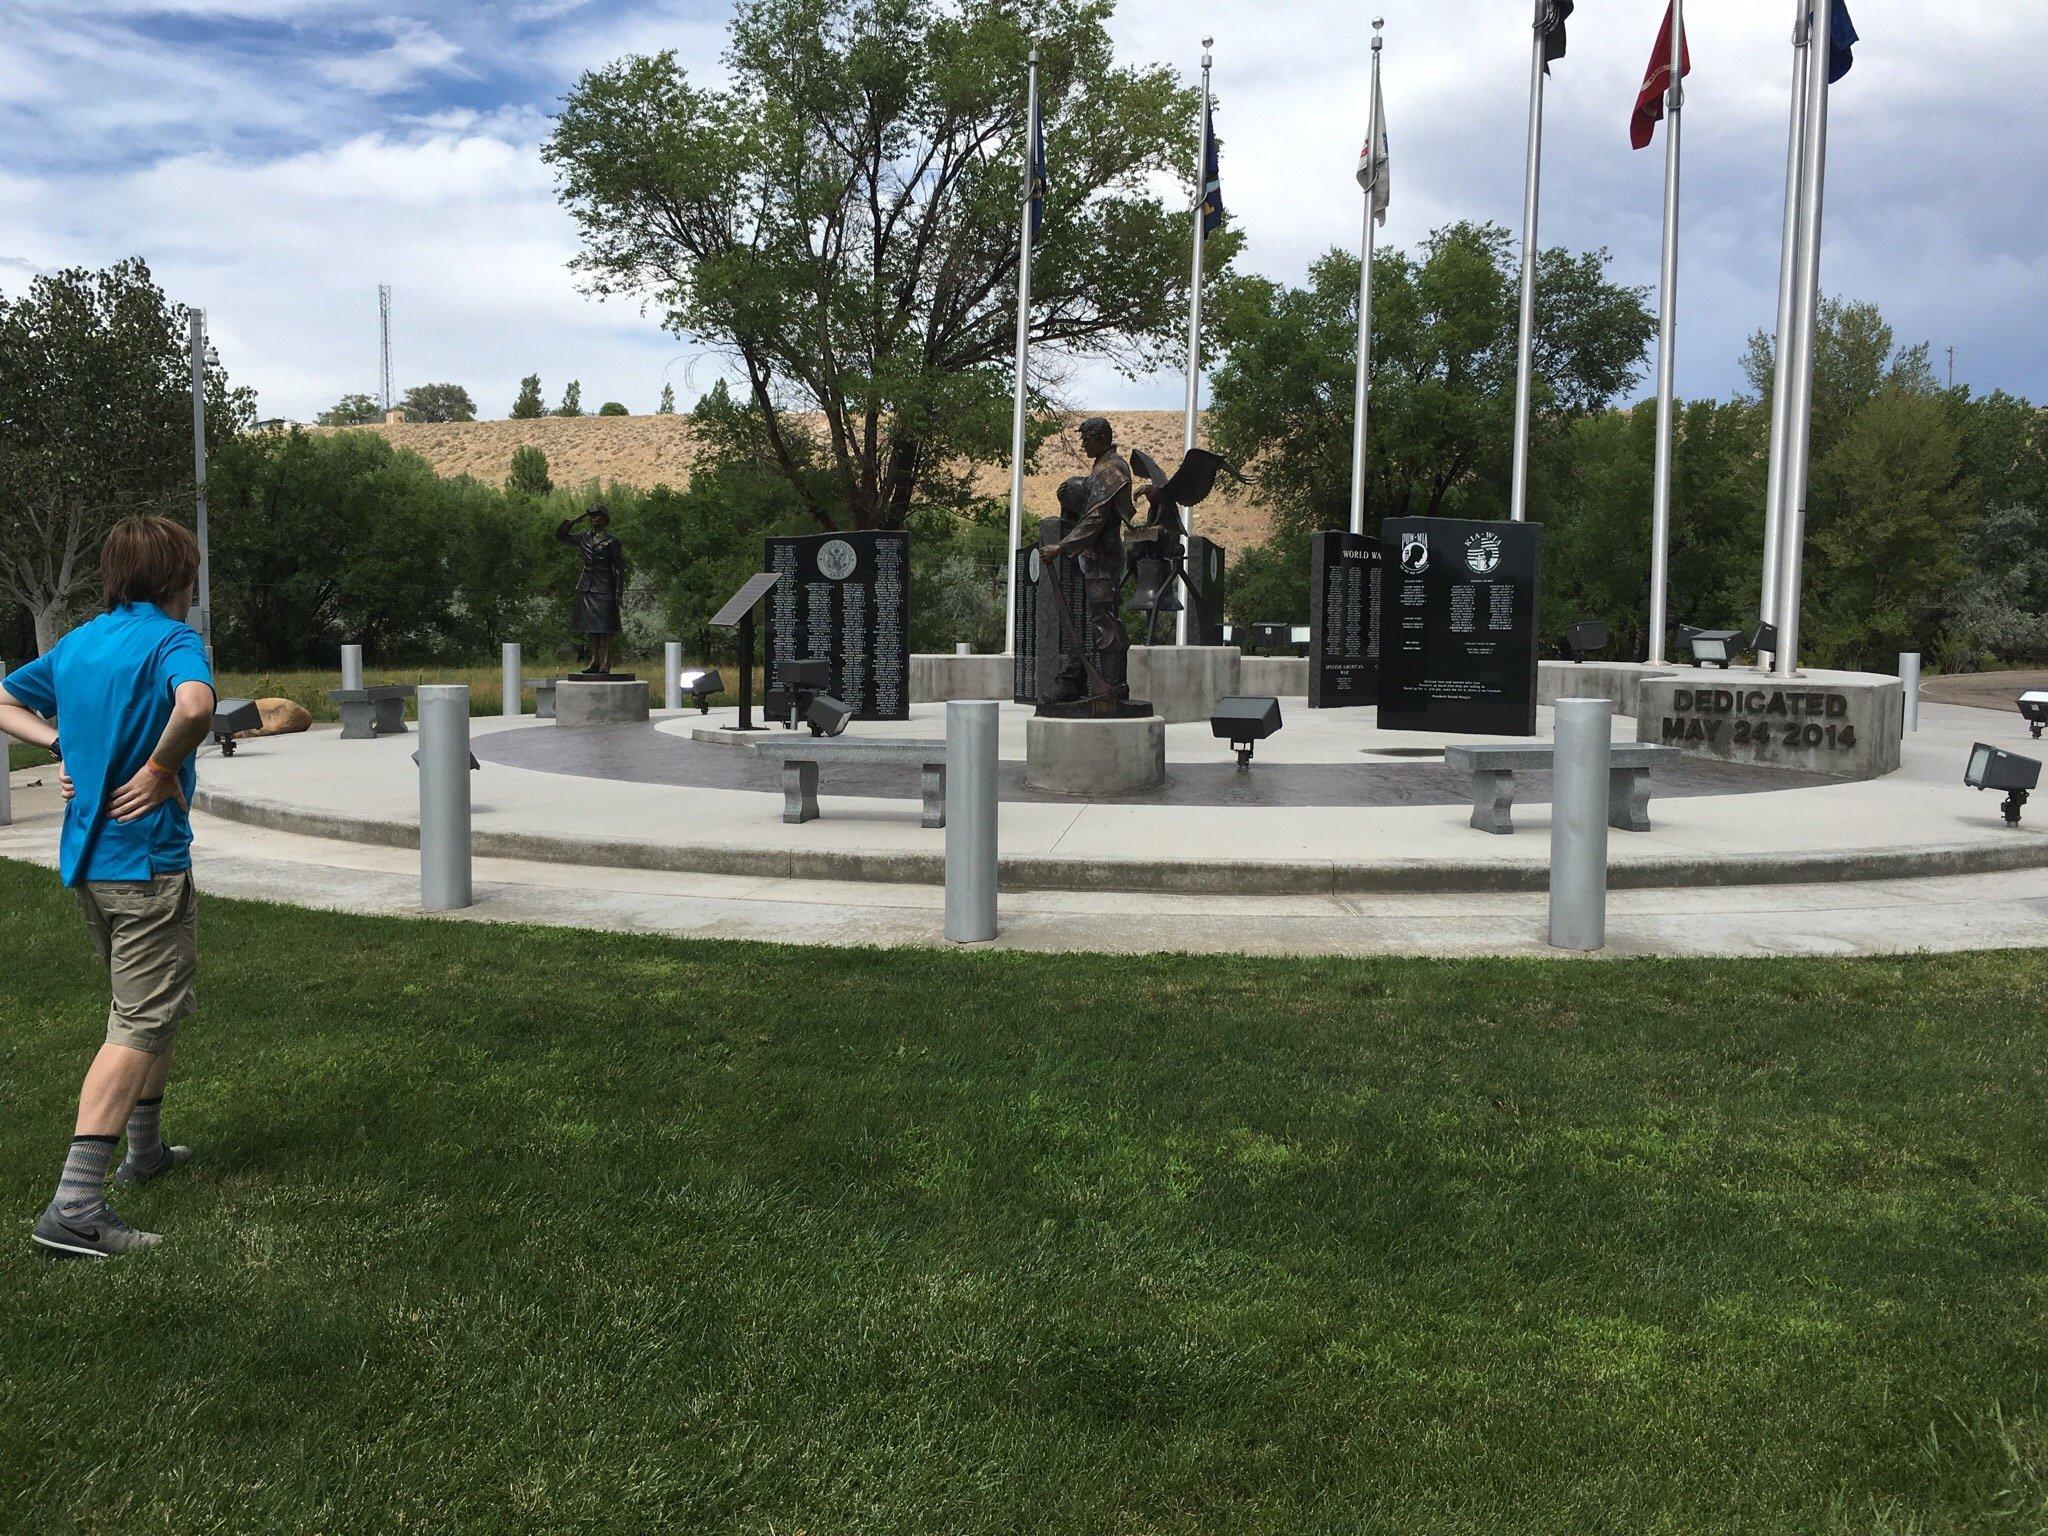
1458,625
845,597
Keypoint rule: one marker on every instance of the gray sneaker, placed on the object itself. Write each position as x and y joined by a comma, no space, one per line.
132,1172
96,1234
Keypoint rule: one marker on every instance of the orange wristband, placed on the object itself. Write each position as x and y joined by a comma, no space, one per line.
160,770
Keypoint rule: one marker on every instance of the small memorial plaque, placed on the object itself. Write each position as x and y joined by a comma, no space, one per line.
1343,620
845,597
1458,626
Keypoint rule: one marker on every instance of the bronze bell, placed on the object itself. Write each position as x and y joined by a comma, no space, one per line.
1154,581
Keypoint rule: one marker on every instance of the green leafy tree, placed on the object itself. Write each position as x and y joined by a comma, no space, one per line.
529,406
352,411
668,401
528,474
95,424
438,402
572,400
841,219
1855,355
612,408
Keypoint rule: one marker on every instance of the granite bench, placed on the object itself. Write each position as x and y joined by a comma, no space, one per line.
376,711
1493,781
801,757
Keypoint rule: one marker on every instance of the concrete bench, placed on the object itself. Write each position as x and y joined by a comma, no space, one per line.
1493,781
544,697
801,757
367,712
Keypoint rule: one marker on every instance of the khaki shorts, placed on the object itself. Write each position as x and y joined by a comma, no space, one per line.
147,933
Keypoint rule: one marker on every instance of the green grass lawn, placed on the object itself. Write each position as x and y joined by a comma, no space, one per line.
21,755
528,1231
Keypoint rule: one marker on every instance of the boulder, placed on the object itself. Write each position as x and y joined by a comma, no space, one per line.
281,717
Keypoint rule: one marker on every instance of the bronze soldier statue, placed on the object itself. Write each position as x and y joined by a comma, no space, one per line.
1097,541
600,587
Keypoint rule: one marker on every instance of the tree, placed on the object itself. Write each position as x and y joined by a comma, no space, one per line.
352,411
528,475
95,424
1854,357
438,402
572,400
668,401
841,219
612,408
528,407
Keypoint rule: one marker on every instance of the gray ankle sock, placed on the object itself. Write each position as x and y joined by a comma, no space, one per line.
145,1138
84,1184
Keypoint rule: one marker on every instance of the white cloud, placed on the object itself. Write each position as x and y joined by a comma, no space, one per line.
414,51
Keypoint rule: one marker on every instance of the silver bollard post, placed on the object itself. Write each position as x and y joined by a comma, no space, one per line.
513,681
352,667
1578,824
1909,673
971,763
672,674
444,796
6,788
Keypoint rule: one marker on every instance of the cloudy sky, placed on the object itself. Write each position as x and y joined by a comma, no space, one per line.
274,160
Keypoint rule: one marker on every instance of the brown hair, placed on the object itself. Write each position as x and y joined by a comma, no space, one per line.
148,560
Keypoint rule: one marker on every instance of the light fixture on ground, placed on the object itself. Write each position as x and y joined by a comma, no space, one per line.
703,687
1272,637
1996,769
1244,723
825,715
1585,640
795,684
231,716
1711,647
2034,707
1765,641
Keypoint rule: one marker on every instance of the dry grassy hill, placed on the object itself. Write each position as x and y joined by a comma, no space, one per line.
655,450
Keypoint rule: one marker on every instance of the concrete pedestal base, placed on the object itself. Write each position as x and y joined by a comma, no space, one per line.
941,679
1843,724
1283,677
1094,757
579,704
1185,681
1620,681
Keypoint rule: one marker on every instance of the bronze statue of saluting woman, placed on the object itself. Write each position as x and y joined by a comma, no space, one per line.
600,588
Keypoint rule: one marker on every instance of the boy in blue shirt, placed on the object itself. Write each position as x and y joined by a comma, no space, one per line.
132,697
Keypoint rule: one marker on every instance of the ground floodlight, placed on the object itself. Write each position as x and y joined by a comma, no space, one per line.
1587,638
2034,707
230,716
474,765
1765,641
703,687
1244,723
1994,768
826,716
1272,637
796,684
1299,634
1713,647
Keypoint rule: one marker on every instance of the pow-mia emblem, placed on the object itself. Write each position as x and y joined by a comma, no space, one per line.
1414,553
836,560
1482,553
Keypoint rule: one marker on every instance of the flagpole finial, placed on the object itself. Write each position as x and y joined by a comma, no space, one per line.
1034,53
1378,24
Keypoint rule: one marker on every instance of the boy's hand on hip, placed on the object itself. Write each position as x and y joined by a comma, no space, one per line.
142,794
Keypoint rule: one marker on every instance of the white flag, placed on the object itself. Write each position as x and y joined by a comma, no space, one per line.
1373,174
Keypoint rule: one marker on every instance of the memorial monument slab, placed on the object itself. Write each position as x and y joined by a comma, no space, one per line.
845,597
1343,620
1458,616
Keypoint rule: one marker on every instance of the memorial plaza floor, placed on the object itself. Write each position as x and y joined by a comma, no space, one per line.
1339,839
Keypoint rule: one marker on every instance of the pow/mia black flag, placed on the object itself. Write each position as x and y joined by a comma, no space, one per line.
1554,14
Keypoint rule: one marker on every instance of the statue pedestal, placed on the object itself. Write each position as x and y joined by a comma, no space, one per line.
1095,757
580,702
1185,681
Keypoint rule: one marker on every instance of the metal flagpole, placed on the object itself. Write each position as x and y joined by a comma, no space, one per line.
1362,394
197,335
1519,493
1017,421
1788,268
1799,437
1191,436
1667,332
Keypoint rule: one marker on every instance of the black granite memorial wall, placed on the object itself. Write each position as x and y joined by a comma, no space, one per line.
1343,620
845,597
1040,641
1458,625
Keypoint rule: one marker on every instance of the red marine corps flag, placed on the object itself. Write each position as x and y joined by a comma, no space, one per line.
1657,84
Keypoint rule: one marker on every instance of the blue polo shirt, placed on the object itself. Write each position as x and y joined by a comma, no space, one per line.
109,684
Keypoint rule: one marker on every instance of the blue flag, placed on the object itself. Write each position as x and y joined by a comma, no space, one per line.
1842,41
1212,178
1038,178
